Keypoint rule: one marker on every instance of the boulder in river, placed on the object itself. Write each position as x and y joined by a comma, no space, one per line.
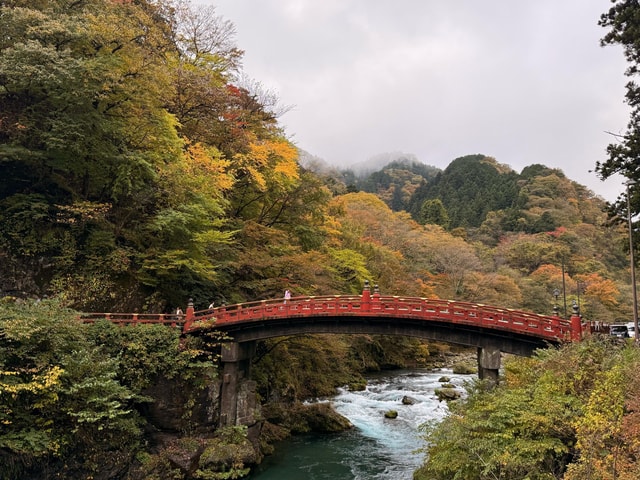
304,418
447,394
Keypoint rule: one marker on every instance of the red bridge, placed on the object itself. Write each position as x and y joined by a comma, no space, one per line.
444,320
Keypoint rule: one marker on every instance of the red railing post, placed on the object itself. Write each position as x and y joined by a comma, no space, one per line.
366,297
189,316
376,298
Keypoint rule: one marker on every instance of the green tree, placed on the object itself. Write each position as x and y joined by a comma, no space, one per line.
469,188
620,20
84,131
70,393
433,211
58,392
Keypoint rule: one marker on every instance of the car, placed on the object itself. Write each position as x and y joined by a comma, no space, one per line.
621,331
631,328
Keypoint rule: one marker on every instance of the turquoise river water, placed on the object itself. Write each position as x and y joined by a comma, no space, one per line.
377,448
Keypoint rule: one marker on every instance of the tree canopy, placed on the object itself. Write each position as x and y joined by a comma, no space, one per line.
566,413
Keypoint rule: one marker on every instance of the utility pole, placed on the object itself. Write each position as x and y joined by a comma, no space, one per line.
564,290
628,183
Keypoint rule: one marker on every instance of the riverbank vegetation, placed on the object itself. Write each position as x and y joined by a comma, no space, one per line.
141,168
569,413
72,395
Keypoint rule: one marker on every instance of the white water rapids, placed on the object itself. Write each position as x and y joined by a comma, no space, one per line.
377,448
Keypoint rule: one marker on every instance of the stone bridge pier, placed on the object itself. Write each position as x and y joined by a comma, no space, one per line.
489,363
238,402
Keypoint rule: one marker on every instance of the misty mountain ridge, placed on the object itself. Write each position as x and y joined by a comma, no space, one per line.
539,198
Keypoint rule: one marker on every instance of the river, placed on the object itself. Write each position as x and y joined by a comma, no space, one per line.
377,448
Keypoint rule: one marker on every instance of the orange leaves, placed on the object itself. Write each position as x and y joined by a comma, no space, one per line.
549,275
559,231
603,289
408,257
494,289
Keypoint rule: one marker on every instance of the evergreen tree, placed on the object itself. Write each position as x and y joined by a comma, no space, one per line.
433,212
623,22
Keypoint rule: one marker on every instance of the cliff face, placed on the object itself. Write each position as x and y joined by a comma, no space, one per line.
20,277
177,408
183,435
186,443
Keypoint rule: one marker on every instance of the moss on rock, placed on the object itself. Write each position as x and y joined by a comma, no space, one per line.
304,418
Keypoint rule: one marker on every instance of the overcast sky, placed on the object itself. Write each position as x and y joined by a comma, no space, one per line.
522,81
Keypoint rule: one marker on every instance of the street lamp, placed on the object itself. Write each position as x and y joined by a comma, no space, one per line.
629,183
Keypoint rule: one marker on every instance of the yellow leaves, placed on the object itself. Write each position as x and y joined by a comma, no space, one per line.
287,155
200,172
269,163
257,176
259,153
599,428
209,164
11,382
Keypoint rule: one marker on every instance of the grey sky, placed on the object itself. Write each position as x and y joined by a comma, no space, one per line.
523,81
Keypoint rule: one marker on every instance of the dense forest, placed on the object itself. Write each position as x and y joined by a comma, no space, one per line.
141,168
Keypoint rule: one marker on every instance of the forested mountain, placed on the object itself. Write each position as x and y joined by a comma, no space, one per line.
397,182
475,187
469,188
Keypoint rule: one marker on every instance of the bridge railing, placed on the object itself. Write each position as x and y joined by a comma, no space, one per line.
169,320
474,314
277,308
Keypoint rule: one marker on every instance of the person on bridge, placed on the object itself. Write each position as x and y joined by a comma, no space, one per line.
211,305
287,295
179,312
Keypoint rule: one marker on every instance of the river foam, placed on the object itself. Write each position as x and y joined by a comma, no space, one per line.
377,448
